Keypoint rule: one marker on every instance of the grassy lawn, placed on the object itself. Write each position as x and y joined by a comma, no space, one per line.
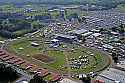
99,60
30,50
59,56
25,44
1,38
78,11
60,59
121,7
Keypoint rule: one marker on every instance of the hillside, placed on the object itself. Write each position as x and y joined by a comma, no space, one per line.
97,2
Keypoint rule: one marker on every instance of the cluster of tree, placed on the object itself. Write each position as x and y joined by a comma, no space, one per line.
76,16
86,79
115,57
82,19
120,29
10,15
14,28
37,79
7,74
105,3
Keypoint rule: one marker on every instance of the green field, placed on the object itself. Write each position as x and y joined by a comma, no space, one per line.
99,60
1,38
121,7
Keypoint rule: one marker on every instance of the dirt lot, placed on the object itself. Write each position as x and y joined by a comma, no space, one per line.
44,58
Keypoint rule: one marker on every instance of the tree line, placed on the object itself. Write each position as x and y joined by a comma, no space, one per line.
12,28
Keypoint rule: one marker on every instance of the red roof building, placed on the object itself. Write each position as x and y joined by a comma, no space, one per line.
42,72
98,81
55,77
2,53
19,63
7,58
3,56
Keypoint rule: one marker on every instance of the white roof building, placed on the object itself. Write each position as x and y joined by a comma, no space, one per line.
2,42
96,34
81,31
65,36
66,80
87,34
34,44
55,40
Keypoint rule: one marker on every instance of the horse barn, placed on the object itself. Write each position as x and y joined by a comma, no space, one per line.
65,38
28,66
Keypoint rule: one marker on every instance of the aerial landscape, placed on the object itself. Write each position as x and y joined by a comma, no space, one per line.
62,41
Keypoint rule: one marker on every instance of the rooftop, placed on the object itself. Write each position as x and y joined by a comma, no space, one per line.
66,80
81,31
111,75
65,36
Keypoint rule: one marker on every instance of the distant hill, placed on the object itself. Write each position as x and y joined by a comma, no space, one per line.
97,2
89,1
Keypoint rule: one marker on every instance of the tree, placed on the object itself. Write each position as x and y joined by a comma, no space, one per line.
84,19
79,20
86,79
7,74
83,39
114,29
115,57
37,79
122,30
